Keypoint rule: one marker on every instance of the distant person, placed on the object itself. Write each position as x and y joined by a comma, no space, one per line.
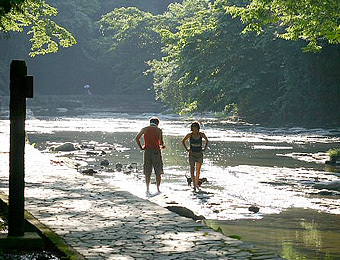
153,143
87,89
195,151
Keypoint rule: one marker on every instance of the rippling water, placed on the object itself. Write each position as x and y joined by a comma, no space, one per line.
275,169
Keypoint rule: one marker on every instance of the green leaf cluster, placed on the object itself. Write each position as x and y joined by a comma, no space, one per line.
334,152
46,35
315,21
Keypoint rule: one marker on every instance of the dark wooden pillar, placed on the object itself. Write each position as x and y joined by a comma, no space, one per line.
21,87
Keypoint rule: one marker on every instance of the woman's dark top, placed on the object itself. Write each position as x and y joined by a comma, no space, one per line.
196,144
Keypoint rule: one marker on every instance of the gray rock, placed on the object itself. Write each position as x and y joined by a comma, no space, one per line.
89,172
105,163
184,212
66,147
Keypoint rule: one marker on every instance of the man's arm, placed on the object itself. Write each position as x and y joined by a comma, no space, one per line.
138,136
161,142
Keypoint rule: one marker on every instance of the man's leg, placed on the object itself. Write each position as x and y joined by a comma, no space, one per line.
158,181
158,167
147,181
147,169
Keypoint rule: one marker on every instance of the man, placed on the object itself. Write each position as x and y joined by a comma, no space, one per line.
153,143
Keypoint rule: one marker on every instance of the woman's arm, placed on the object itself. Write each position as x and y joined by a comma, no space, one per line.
184,141
206,141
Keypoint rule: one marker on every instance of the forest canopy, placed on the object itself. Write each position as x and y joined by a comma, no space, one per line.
46,35
315,21
273,62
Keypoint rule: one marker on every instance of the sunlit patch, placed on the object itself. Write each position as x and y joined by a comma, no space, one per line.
308,157
271,147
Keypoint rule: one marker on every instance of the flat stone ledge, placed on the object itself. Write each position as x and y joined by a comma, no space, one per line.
29,241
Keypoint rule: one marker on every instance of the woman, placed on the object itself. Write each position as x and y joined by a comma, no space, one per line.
195,151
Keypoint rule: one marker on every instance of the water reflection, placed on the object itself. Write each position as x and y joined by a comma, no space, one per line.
295,233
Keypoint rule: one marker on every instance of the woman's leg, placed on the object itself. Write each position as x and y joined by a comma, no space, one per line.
192,173
198,172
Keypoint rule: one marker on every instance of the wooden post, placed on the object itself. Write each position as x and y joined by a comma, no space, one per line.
21,87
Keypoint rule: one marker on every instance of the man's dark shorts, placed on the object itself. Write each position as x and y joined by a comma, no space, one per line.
153,159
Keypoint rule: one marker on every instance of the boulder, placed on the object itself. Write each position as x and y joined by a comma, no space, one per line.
119,167
254,209
89,172
66,147
185,212
104,163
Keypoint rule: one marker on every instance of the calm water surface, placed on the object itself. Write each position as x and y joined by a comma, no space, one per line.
281,171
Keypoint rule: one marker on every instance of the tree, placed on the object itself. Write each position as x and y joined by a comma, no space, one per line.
315,21
128,41
46,35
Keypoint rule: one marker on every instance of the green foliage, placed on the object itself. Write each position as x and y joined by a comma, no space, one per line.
235,237
7,5
47,36
128,41
334,152
207,65
313,21
188,108
207,62
195,56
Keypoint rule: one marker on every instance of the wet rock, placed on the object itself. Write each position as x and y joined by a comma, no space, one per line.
86,146
66,147
90,172
184,212
105,163
171,202
91,153
334,185
325,193
254,209
119,167
128,168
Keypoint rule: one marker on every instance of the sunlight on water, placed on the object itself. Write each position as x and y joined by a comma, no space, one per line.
179,127
231,189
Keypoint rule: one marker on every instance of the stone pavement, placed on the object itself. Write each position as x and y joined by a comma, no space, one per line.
100,221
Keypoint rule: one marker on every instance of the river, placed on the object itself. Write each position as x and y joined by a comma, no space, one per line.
279,170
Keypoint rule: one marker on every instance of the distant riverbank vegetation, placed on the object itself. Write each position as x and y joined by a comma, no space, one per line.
268,62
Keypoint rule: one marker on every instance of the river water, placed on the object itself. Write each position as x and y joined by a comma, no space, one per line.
279,170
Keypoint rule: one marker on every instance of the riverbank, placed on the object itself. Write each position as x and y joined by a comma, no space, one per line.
73,105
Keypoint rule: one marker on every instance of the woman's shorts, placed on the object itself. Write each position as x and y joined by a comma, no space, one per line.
196,157
153,159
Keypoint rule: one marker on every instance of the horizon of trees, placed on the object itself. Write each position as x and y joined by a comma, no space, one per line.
282,70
